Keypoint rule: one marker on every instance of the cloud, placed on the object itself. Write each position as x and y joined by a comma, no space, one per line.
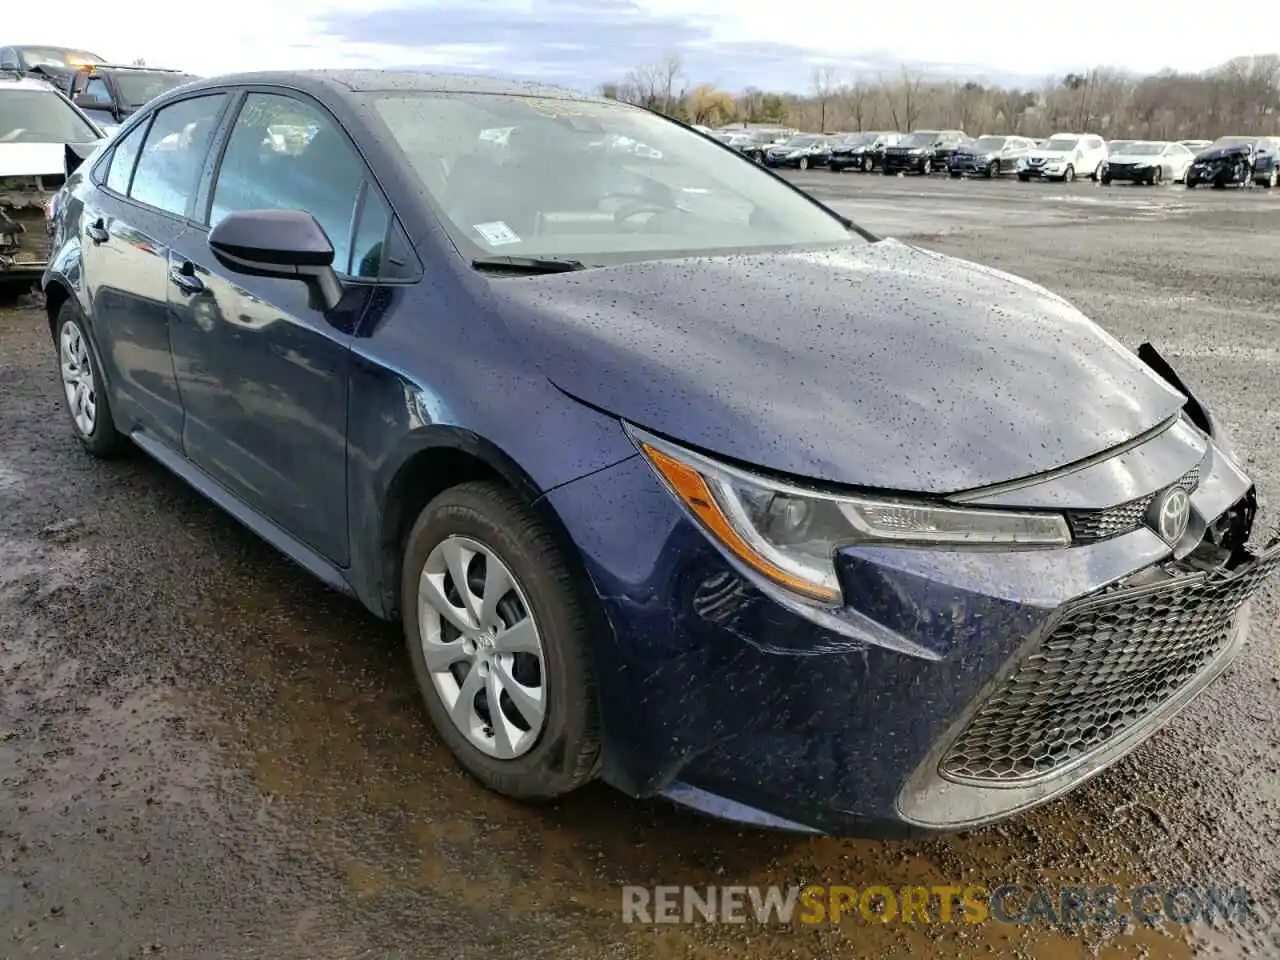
582,43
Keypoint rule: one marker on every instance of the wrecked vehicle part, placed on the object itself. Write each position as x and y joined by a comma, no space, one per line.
24,236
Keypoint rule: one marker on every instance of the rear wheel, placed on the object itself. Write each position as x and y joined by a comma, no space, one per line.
82,386
498,633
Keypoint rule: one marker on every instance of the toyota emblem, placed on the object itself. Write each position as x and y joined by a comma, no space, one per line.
1170,514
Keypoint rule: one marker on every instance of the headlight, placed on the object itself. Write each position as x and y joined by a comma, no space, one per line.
790,533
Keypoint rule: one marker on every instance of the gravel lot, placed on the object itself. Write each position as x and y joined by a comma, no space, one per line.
206,754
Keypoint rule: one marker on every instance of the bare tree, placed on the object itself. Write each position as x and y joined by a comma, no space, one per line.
825,80
907,99
668,72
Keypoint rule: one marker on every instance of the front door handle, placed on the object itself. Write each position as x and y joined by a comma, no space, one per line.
97,231
184,275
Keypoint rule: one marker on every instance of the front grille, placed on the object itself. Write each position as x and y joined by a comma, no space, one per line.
1107,663
1089,526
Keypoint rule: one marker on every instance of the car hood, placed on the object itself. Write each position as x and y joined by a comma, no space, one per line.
1218,153
881,365
31,159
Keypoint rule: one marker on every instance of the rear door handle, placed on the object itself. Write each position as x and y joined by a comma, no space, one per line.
97,231
184,275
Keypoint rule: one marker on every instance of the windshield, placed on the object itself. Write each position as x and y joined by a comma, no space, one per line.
1144,149
40,116
921,138
141,86
858,139
551,187
1061,144
803,140
1233,141
989,143
53,57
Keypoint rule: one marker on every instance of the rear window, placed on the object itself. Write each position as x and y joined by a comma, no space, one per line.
140,87
41,116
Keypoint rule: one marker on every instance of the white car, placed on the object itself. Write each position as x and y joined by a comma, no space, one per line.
1065,156
1148,161
37,124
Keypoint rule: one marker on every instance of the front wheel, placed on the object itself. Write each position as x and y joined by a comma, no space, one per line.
83,387
498,632
1024,177
927,167
868,164
1070,175
993,170
804,163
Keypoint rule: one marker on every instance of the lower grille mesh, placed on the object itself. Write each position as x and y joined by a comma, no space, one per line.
1105,665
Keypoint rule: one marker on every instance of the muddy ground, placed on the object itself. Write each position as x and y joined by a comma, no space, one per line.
204,753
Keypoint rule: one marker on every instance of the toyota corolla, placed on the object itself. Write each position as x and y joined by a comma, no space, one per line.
674,477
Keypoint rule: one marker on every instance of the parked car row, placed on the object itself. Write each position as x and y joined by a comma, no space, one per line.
1231,160
55,99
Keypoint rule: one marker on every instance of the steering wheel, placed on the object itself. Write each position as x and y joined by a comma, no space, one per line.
636,207
13,135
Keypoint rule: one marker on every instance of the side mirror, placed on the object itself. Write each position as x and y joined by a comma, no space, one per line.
279,243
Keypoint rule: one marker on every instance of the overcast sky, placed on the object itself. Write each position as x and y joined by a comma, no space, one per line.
582,43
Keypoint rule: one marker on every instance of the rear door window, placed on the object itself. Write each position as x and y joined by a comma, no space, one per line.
174,153
123,157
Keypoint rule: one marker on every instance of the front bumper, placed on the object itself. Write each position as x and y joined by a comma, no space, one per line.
1129,171
1043,172
899,164
717,693
970,165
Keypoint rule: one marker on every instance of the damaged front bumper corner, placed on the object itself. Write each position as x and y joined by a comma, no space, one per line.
25,240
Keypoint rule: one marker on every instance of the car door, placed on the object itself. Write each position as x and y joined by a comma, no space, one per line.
129,223
263,372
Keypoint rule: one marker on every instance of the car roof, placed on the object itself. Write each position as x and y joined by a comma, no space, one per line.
11,82
345,82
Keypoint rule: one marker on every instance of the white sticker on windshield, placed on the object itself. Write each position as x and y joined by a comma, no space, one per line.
497,233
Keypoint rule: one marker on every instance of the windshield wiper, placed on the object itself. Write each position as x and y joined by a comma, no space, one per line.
529,264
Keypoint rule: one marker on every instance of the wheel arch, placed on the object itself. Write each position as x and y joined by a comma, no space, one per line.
433,460
56,293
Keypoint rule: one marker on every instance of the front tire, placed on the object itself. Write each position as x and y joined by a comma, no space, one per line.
803,164
514,629
927,167
993,170
1069,175
82,385
1157,177
868,164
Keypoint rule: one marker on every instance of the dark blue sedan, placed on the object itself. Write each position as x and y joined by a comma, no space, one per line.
674,477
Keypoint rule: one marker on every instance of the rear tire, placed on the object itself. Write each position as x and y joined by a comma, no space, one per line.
564,752
927,167
84,390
